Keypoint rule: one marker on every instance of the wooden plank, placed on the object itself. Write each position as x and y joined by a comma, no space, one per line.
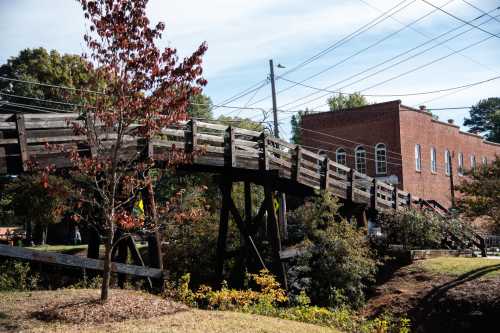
209,137
76,261
264,157
314,174
279,161
247,143
313,155
339,166
281,142
244,131
212,126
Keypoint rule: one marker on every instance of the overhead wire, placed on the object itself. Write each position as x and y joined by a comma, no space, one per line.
337,44
388,61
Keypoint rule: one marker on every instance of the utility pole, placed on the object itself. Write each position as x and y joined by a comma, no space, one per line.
273,92
282,198
452,187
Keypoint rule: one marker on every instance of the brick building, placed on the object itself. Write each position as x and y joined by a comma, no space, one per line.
398,144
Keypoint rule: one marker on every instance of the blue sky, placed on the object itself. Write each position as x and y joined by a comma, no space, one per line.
243,35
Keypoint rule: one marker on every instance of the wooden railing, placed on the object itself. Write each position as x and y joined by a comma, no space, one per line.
24,137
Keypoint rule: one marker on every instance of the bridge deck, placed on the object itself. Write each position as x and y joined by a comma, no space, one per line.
220,149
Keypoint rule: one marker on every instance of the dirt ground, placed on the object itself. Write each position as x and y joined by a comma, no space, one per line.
442,302
76,310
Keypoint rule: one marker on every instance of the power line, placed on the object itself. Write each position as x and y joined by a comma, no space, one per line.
399,94
479,9
245,92
51,85
461,20
388,61
428,37
364,49
339,43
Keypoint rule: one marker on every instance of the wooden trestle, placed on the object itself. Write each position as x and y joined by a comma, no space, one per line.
234,154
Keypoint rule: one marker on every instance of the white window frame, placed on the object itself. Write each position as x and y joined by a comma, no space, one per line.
418,157
460,164
473,162
433,160
447,159
342,153
380,159
484,161
360,162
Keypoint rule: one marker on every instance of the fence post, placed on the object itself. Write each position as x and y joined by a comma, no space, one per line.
373,193
325,173
395,203
263,160
22,140
229,148
296,164
350,188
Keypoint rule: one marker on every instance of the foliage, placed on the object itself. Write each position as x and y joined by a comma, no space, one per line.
241,123
346,101
296,124
147,87
481,193
271,300
485,118
269,294
412,228
17,275
39,65
337,261
200,106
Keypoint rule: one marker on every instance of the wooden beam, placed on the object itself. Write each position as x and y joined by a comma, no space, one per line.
22,140
373,193
76,261
229,148
223,227
296,164
274,234
263,159
350,188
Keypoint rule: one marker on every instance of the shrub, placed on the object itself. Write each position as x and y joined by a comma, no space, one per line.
337,262
17,275
411,228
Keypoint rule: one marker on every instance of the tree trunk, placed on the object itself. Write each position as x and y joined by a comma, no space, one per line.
106,272
44,234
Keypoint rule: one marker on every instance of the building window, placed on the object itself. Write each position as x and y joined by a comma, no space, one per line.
460,164
472,162
341,158
485,161
447,160
381,159
418,158
360,160
433,160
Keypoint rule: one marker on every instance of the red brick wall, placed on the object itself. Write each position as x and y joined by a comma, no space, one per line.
400,128
370,125
419,127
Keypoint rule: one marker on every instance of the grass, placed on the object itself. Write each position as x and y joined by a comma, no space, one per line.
457,266
59,248
16,309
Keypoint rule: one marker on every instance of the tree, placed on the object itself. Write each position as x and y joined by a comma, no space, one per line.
296,123
147,89
345,102
241,123
39,65
485,118
481,193
200,107
337,261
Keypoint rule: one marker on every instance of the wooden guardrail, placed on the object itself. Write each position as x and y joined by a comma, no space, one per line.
76,261
24,136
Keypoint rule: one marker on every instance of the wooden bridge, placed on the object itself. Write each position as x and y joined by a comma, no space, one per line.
233,154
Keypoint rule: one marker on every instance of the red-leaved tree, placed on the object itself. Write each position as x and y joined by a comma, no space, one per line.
146,90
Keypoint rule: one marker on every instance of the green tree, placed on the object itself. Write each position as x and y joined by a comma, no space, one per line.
39,65
200,107
296,123
481,193
241,123
485,118
346,101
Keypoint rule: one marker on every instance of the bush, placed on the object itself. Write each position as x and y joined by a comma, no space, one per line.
337,262
17,276
412,228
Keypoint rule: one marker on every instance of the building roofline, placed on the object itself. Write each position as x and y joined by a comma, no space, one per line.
491,143
398,101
